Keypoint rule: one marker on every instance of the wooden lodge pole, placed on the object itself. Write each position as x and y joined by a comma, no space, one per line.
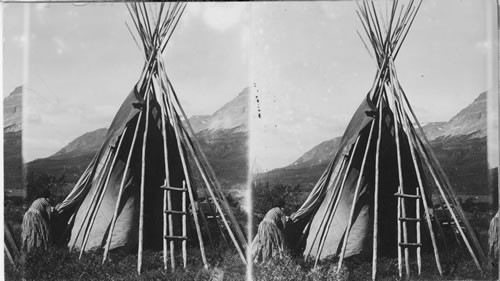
190,147
120,192
419,238
167,218
340,194
217,204
171,230
332,203
401,185
324,219
87,213
184,226
205,222
447,183
400,253
375,196
448,205
143,183
198,230
171,111
93,207
421,189
205,165
104,188
166,222
166,84
356,192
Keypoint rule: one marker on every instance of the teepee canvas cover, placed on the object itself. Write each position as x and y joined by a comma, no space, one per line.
142,186
375,197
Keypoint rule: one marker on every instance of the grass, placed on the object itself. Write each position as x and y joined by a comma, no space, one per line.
14,209
59,264
456,267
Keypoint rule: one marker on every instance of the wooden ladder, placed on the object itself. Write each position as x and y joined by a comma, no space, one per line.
170,212
403,220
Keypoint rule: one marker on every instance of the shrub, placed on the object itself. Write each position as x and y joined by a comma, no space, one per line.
266,197
35,185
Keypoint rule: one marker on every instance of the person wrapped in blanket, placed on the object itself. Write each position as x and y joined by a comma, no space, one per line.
270,240
36,228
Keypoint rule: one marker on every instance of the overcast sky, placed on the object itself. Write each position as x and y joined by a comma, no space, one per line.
304,58
312,70
82,62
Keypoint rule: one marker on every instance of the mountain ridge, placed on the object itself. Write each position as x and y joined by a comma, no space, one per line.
13,110
223,137
13,142
223,119
453,144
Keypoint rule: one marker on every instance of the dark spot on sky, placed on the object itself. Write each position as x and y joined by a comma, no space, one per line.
258,105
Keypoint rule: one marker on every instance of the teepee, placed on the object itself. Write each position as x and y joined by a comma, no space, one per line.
144,187
376,196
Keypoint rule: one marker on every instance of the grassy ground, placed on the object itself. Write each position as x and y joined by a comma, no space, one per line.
59,264
14,209
458,267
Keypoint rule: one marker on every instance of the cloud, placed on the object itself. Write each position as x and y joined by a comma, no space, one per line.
245,42
223,16
49,122
329,10
61,45
73,13
483,46
218,16
20,40
193,10
35,147
34,118
40,7
40,12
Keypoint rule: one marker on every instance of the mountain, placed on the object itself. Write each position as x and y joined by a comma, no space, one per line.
322,153
462,148
459,144
223,137
199,122
12,143
225,141
434,129
232,116
470,121
13,111
88,142
72,159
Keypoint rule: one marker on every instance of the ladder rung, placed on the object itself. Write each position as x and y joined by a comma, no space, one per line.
450,223
176,237
173,188
407,195
175,212
410,244
408,219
